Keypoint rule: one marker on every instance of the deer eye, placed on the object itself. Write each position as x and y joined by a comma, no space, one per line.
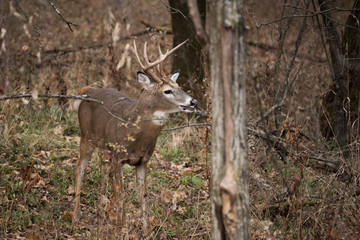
168,92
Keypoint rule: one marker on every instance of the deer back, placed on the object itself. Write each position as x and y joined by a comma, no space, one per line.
128,127
97,121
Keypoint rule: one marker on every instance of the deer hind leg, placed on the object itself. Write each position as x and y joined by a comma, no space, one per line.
141,181
117,182
86,149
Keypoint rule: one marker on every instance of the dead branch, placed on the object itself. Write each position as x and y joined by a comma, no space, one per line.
304,58
189,125
86,98
80,97
157,28
280,145
314,14
269,111
171,9
335,9
282,31
269,47
297,45
95,45
59,13
263,46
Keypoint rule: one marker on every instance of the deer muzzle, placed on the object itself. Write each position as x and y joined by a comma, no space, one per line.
191,107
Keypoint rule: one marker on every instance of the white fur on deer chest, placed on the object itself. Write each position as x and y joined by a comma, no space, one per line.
159,117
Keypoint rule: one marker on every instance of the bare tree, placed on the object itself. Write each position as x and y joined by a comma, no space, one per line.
230,196
341,104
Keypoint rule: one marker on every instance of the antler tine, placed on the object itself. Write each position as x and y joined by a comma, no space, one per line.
168,53
160,52
161,56
145,55
148,66
157,62
164,56
137,56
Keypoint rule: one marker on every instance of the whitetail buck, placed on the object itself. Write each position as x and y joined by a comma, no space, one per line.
131,130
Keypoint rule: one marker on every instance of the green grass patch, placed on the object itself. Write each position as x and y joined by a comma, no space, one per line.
193,181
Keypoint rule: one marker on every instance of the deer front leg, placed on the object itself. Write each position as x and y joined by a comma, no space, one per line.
141,181
86,149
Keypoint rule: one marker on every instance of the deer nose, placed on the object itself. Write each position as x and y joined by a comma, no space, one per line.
194,103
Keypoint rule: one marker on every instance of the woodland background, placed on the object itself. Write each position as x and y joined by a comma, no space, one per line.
303,168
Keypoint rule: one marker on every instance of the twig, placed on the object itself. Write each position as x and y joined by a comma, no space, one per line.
86,98
21,10
161,225
58,12
189,125
320,12
301,16
280,144
96,45
81,97
157,28
261,45
195,16
202,113
199,234
171,8
269,111
305,57
297,45
283,30
268,47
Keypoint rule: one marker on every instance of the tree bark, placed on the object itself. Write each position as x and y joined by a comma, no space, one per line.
341,105
230,193
5,22
351,49
333,102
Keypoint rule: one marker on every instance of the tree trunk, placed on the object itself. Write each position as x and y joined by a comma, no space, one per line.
333,102
5,23
351,49
341,105
189,61
230,193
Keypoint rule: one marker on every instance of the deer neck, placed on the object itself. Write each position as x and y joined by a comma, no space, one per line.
159,118
148,113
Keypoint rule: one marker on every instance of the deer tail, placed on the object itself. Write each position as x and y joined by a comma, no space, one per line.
82,91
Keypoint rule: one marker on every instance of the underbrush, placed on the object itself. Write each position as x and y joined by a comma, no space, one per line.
296,192
39,149
301,192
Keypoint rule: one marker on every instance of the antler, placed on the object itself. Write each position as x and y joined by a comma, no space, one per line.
149,65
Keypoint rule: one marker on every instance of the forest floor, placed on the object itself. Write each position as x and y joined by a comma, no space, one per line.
38,160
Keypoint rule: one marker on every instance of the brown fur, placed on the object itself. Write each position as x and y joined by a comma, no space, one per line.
85,89
130,136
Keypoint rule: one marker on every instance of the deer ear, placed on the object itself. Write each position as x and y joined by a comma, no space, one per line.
144,81
174,77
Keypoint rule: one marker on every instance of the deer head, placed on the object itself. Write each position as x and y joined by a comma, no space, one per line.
169,96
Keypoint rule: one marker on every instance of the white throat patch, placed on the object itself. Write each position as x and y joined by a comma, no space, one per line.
159,117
